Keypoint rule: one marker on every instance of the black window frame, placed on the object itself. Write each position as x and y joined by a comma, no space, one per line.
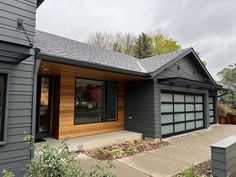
104,96
3,116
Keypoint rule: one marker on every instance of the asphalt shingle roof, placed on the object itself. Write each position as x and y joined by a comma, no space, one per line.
54,45
153,63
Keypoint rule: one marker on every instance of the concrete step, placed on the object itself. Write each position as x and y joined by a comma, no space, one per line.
96,141
101,140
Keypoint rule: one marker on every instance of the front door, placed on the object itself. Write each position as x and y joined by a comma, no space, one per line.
43,108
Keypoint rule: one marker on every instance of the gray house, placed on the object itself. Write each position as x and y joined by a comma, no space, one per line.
17,65
58,87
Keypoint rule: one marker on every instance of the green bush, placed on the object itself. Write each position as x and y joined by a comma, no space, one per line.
7,173
117,152
59,162
50,161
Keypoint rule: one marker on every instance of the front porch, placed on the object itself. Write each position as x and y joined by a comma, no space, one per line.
75,101
95,141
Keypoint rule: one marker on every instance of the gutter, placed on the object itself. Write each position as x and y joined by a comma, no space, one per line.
62,60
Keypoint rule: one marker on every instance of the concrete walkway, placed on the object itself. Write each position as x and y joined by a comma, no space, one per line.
183,151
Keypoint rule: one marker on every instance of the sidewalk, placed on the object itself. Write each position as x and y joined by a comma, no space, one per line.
183,151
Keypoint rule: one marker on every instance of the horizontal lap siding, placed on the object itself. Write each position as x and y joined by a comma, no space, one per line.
186,67
15,154
139,103
10,10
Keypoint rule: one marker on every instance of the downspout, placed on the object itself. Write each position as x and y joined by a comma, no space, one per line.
34,101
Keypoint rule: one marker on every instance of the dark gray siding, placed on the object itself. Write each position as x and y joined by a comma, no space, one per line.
223,157
139,105
10,10
15,154
184,68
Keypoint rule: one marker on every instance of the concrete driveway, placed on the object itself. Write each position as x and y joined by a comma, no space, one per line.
183,151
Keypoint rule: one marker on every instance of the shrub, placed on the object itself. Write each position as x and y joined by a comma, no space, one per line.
222,110
7,173
117,152
51,161
60,162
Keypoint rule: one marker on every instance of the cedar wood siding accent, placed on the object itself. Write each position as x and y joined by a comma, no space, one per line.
139,104
185,71
66,112
15,154
10,10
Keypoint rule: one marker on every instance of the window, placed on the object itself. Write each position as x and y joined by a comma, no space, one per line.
2,104
95,101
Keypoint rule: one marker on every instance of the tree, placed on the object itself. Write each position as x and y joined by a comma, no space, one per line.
119,42
228,78
143,47
127,42
162,44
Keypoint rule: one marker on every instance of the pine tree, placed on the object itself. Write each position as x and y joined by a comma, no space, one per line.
143,47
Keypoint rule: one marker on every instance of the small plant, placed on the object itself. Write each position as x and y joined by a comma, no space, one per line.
117,152
189,173
130,148
100,152
7,173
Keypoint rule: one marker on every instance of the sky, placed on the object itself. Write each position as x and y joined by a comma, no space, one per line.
209,26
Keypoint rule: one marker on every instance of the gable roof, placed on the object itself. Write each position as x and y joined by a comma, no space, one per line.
64,50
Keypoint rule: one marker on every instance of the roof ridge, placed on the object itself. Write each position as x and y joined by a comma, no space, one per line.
141,67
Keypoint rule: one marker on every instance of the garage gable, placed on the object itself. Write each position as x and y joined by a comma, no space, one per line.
185,68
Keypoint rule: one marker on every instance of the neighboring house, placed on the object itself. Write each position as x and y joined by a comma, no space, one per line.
17,64
53,86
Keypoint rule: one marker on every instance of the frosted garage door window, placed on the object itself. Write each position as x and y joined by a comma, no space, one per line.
167,129
167,118
166,108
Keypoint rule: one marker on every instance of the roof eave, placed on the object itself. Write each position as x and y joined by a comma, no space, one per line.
62,60
39,2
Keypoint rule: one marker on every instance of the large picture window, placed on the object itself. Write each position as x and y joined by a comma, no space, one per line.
95,101
2,104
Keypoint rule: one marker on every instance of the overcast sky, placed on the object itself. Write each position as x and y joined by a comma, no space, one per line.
209,26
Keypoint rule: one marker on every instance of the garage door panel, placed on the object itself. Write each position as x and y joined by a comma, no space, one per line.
167,129
181,113
167,118
211,110
180,127
179,117
190,125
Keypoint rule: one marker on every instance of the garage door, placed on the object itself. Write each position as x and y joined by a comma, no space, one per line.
211,110
181,113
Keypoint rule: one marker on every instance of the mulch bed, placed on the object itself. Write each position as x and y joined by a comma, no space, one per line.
203,168
117,151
